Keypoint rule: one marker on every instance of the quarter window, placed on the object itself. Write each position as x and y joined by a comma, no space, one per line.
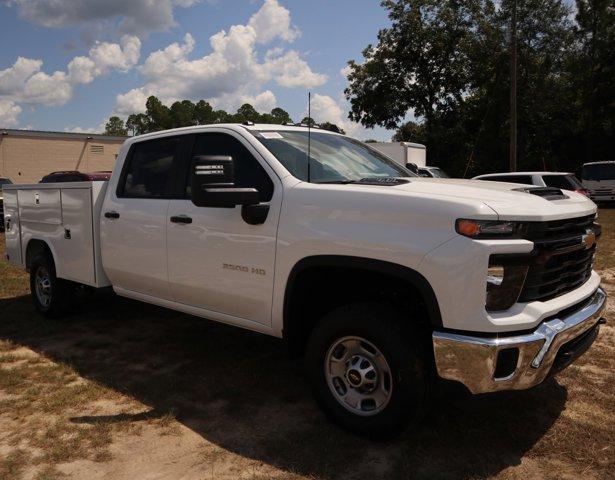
149,169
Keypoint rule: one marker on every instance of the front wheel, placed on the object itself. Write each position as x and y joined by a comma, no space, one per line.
368,370
50,294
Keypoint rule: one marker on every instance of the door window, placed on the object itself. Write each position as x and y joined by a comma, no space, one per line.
248,172
147,173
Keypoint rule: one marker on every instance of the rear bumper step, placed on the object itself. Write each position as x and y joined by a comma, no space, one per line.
521,361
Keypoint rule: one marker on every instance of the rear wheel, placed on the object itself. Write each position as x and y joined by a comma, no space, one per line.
50,294
368,370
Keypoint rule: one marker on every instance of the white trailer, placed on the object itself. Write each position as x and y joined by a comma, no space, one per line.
403,152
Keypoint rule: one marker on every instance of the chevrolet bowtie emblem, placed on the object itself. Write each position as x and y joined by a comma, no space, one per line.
589,239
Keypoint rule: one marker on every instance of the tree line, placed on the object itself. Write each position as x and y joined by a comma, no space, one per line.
185,113
446,64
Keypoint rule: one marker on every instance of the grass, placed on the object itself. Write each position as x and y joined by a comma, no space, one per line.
121,386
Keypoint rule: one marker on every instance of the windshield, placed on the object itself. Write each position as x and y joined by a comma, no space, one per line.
333,158
599,171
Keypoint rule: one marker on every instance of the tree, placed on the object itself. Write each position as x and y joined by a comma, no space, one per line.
593,71
204,113
447,64
183,114
332,127
280,116
115,126
158,114
420,62
247,113
137,124
308,121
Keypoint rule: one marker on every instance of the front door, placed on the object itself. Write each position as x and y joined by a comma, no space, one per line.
134,219
218,261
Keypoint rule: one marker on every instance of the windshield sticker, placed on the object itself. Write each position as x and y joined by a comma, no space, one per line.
271,135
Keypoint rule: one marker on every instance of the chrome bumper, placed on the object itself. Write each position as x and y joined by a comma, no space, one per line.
473,360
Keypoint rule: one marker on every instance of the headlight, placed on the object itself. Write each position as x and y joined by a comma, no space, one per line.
484,229
504,284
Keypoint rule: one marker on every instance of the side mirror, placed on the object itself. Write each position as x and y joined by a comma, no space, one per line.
412,167
213,183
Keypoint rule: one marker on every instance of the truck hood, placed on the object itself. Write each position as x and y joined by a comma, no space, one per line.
501,197
505,198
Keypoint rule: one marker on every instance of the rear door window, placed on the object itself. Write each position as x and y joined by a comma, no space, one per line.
148,171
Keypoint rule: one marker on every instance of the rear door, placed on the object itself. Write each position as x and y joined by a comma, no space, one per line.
134,218
219,262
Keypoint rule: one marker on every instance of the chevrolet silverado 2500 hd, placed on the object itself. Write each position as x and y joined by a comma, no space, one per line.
377,277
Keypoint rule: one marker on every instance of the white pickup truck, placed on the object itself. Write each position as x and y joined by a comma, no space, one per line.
378,278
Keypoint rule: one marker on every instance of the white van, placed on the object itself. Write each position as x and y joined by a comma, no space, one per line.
599,180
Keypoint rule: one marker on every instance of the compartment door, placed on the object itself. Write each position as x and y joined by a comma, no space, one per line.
12,228
75,247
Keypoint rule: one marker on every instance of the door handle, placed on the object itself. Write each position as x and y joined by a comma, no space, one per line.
181,219
112,215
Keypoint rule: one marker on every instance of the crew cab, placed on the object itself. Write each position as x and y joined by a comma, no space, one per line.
381,280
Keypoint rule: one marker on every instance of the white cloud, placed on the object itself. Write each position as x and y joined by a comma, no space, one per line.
25,82
326,109
104,57
344,72
273,21
289,70
134,16
231,74
9,113
130,102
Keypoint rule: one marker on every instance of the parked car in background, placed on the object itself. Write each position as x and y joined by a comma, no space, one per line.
74,176
599,180
3,181
432,172
561,180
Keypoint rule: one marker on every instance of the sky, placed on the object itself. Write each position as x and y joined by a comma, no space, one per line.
68,65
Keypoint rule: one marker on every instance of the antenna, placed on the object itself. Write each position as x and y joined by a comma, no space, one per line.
309,133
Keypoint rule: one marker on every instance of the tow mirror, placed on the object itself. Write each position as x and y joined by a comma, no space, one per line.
412,167
213,183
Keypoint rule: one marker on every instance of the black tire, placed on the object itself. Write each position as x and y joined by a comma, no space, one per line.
406,356
57,291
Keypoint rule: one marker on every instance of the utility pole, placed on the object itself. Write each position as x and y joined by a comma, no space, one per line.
513,89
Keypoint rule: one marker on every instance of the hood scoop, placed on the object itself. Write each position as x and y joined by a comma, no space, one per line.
548,193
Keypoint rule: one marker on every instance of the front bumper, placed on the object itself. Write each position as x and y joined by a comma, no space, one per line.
520,361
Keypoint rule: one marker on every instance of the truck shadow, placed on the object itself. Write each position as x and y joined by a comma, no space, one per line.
239,391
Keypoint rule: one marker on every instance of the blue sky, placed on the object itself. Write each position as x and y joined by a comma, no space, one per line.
70,64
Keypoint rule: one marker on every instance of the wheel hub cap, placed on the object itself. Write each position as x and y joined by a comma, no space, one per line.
358,375
43,286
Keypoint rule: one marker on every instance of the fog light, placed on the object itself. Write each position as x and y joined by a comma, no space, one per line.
504,285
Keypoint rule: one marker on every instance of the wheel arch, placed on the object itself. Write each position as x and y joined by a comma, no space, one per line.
349,266
37,245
